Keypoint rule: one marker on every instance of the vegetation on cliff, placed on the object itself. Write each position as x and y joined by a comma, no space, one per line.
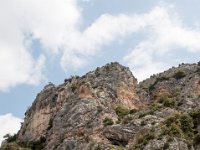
107,109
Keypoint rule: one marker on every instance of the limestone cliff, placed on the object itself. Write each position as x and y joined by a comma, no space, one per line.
108,109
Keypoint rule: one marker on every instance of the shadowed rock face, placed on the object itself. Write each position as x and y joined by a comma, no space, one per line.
108,109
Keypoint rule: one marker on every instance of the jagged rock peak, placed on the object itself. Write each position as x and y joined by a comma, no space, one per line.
78,105
107,109
113,67
112,71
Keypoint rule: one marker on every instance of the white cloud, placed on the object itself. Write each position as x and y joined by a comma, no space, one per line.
106,29
16,62
143,62
166,34
45,20
56,24
9,124
18,66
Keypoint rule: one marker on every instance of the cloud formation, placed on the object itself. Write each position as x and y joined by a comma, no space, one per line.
57,27
16,61
9,124
166,34
22,22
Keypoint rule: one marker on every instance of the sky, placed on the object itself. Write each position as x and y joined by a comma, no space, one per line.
45,41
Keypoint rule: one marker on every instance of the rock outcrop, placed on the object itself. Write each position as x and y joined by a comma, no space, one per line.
108,109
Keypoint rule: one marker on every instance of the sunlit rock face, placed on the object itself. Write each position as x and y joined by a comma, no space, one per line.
108,109
75,110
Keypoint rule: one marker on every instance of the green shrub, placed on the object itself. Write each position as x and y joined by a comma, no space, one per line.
163,78
166,146
179,103
198,63
195,114
14,146
118,121
37,145
34,145
179,125
198,70
179,75
143,123
143,113
132,111
121,111
127,119
171,119
197,139
99,147
175,130
149,110
159,79
73,87
183,126
162,98
172,125
152,86
108,121
97,70
153,107
186,123
169,102
144,140
166,101
9,138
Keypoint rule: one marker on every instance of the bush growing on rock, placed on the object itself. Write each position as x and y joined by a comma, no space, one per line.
99,147
166,101
132,111
121,111
127,119
108,121
195,114
186,123
144,113
150,110
9,138
172,119
179,75
198,70
14,146
179,125
84,110
144,140
36,145
169,102
175,130
166,146
197,139
159,79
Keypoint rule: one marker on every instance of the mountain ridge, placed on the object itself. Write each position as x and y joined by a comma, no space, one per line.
108,109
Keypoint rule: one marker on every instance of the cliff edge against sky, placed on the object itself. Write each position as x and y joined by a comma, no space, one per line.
107,109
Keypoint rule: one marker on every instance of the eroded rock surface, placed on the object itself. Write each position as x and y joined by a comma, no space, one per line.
72,114
107,109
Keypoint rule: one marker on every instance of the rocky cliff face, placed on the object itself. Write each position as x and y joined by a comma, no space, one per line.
108,109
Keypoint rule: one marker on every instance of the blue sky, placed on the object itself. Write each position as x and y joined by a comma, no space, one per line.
45,41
